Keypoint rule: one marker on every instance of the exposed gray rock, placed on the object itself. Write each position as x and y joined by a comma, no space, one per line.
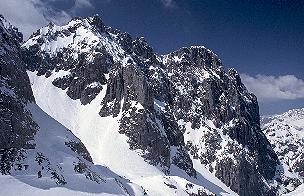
205,91
80,149
17,128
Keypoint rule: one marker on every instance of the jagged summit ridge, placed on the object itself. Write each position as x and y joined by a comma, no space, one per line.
195,53
81,35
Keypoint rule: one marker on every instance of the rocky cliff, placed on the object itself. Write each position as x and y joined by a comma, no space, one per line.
17,127
175,110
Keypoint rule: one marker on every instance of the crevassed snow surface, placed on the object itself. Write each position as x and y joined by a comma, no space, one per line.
109,148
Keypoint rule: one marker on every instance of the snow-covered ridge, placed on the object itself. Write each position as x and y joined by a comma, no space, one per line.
59,155
80,35
286,134
294,117
182,54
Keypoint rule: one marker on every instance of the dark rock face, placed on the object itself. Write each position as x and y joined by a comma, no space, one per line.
208,93
175,108
130,91
80,149
17,128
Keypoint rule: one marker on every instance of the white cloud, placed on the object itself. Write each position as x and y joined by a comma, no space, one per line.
30,15
168,3
269,88
80,5
83,3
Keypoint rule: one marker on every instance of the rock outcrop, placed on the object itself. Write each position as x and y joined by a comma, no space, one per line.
17,128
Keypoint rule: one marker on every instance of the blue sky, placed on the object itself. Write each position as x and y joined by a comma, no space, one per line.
262,39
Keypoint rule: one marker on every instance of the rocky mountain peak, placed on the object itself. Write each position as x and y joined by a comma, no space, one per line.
97,22
195,55
169,123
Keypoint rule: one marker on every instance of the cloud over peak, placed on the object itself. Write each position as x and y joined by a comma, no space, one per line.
270,88
30,15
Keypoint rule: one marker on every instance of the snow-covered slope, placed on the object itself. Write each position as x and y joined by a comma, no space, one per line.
286,135
299,191
38,155
59,156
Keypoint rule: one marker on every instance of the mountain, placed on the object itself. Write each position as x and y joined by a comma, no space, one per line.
37,153
286,135
173,121
41,156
